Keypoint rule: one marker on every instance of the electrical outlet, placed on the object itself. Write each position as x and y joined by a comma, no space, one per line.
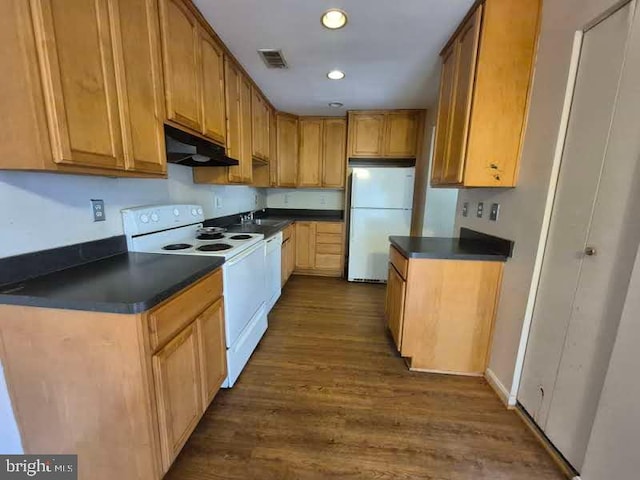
218,202
97,207
465,209
255,199
323,200
480,211
495,212
286,199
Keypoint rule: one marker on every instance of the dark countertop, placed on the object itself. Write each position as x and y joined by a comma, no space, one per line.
469,246
127,283
278,219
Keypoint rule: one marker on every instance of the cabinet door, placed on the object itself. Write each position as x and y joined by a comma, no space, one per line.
246,162
287,147
284,267
178,391
394,307
260,125
310,158
467,45
334,168
445,106
213,103
401,134
273,154
366,135
305,245
234,126
182,73
75,50
213,352
140,78
291,262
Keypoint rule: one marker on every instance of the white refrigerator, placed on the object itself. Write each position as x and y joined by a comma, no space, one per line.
381,203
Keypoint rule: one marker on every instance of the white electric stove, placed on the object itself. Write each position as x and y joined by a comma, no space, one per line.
178,230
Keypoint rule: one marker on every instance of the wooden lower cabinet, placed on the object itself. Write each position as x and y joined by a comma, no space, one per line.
178,383
441,312
320,248
288,253
111,386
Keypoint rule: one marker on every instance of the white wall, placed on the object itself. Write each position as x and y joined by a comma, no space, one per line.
304,198
613,446
522,208
45,210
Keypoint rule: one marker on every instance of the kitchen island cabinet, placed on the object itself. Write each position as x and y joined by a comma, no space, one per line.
441,302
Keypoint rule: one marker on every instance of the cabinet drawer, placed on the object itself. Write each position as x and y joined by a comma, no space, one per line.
170,317
398,261
328,262
329,238
327,248
329,227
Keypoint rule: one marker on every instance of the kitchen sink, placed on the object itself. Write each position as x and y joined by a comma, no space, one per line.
267,222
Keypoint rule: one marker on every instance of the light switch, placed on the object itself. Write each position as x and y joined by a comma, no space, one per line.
495,212
480,211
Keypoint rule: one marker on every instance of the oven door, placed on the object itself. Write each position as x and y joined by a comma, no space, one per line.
244,289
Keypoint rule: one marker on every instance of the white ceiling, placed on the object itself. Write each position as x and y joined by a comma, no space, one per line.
388,50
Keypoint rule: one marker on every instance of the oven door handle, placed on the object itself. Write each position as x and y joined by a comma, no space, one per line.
244,254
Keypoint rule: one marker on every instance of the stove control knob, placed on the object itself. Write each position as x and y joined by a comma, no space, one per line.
176,212
144,218
194,212
154,217
199,211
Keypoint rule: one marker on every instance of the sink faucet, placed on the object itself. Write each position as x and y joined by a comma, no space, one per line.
247,218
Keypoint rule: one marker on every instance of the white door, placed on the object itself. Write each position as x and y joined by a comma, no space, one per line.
382,187
244,290
592,240
369,241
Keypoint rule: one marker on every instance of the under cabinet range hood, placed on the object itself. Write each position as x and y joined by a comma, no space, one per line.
186,149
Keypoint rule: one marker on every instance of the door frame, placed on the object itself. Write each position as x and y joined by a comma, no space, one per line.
551,195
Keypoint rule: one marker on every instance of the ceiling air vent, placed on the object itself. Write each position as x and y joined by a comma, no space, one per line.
272,58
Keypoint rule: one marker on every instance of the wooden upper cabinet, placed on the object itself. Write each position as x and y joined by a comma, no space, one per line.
234,126
401,135
79,81
366,135
213,358
443,122
213,102
287,149
178,387
311,152
484,95
246,162
273,149
261,126
466,44
181,42
385,133
334,170
141,78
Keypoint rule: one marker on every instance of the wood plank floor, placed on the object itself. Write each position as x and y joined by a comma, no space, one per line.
325,395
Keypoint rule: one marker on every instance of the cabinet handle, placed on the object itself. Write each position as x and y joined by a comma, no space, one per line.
494,166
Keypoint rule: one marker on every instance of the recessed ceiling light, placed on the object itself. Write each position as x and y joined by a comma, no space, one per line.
334,19
335,75
336,104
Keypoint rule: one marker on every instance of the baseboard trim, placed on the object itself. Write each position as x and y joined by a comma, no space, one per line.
502,392
557,457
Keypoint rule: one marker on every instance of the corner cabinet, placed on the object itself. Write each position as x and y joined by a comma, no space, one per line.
440,312
385,133
322,158
86,88
487,69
